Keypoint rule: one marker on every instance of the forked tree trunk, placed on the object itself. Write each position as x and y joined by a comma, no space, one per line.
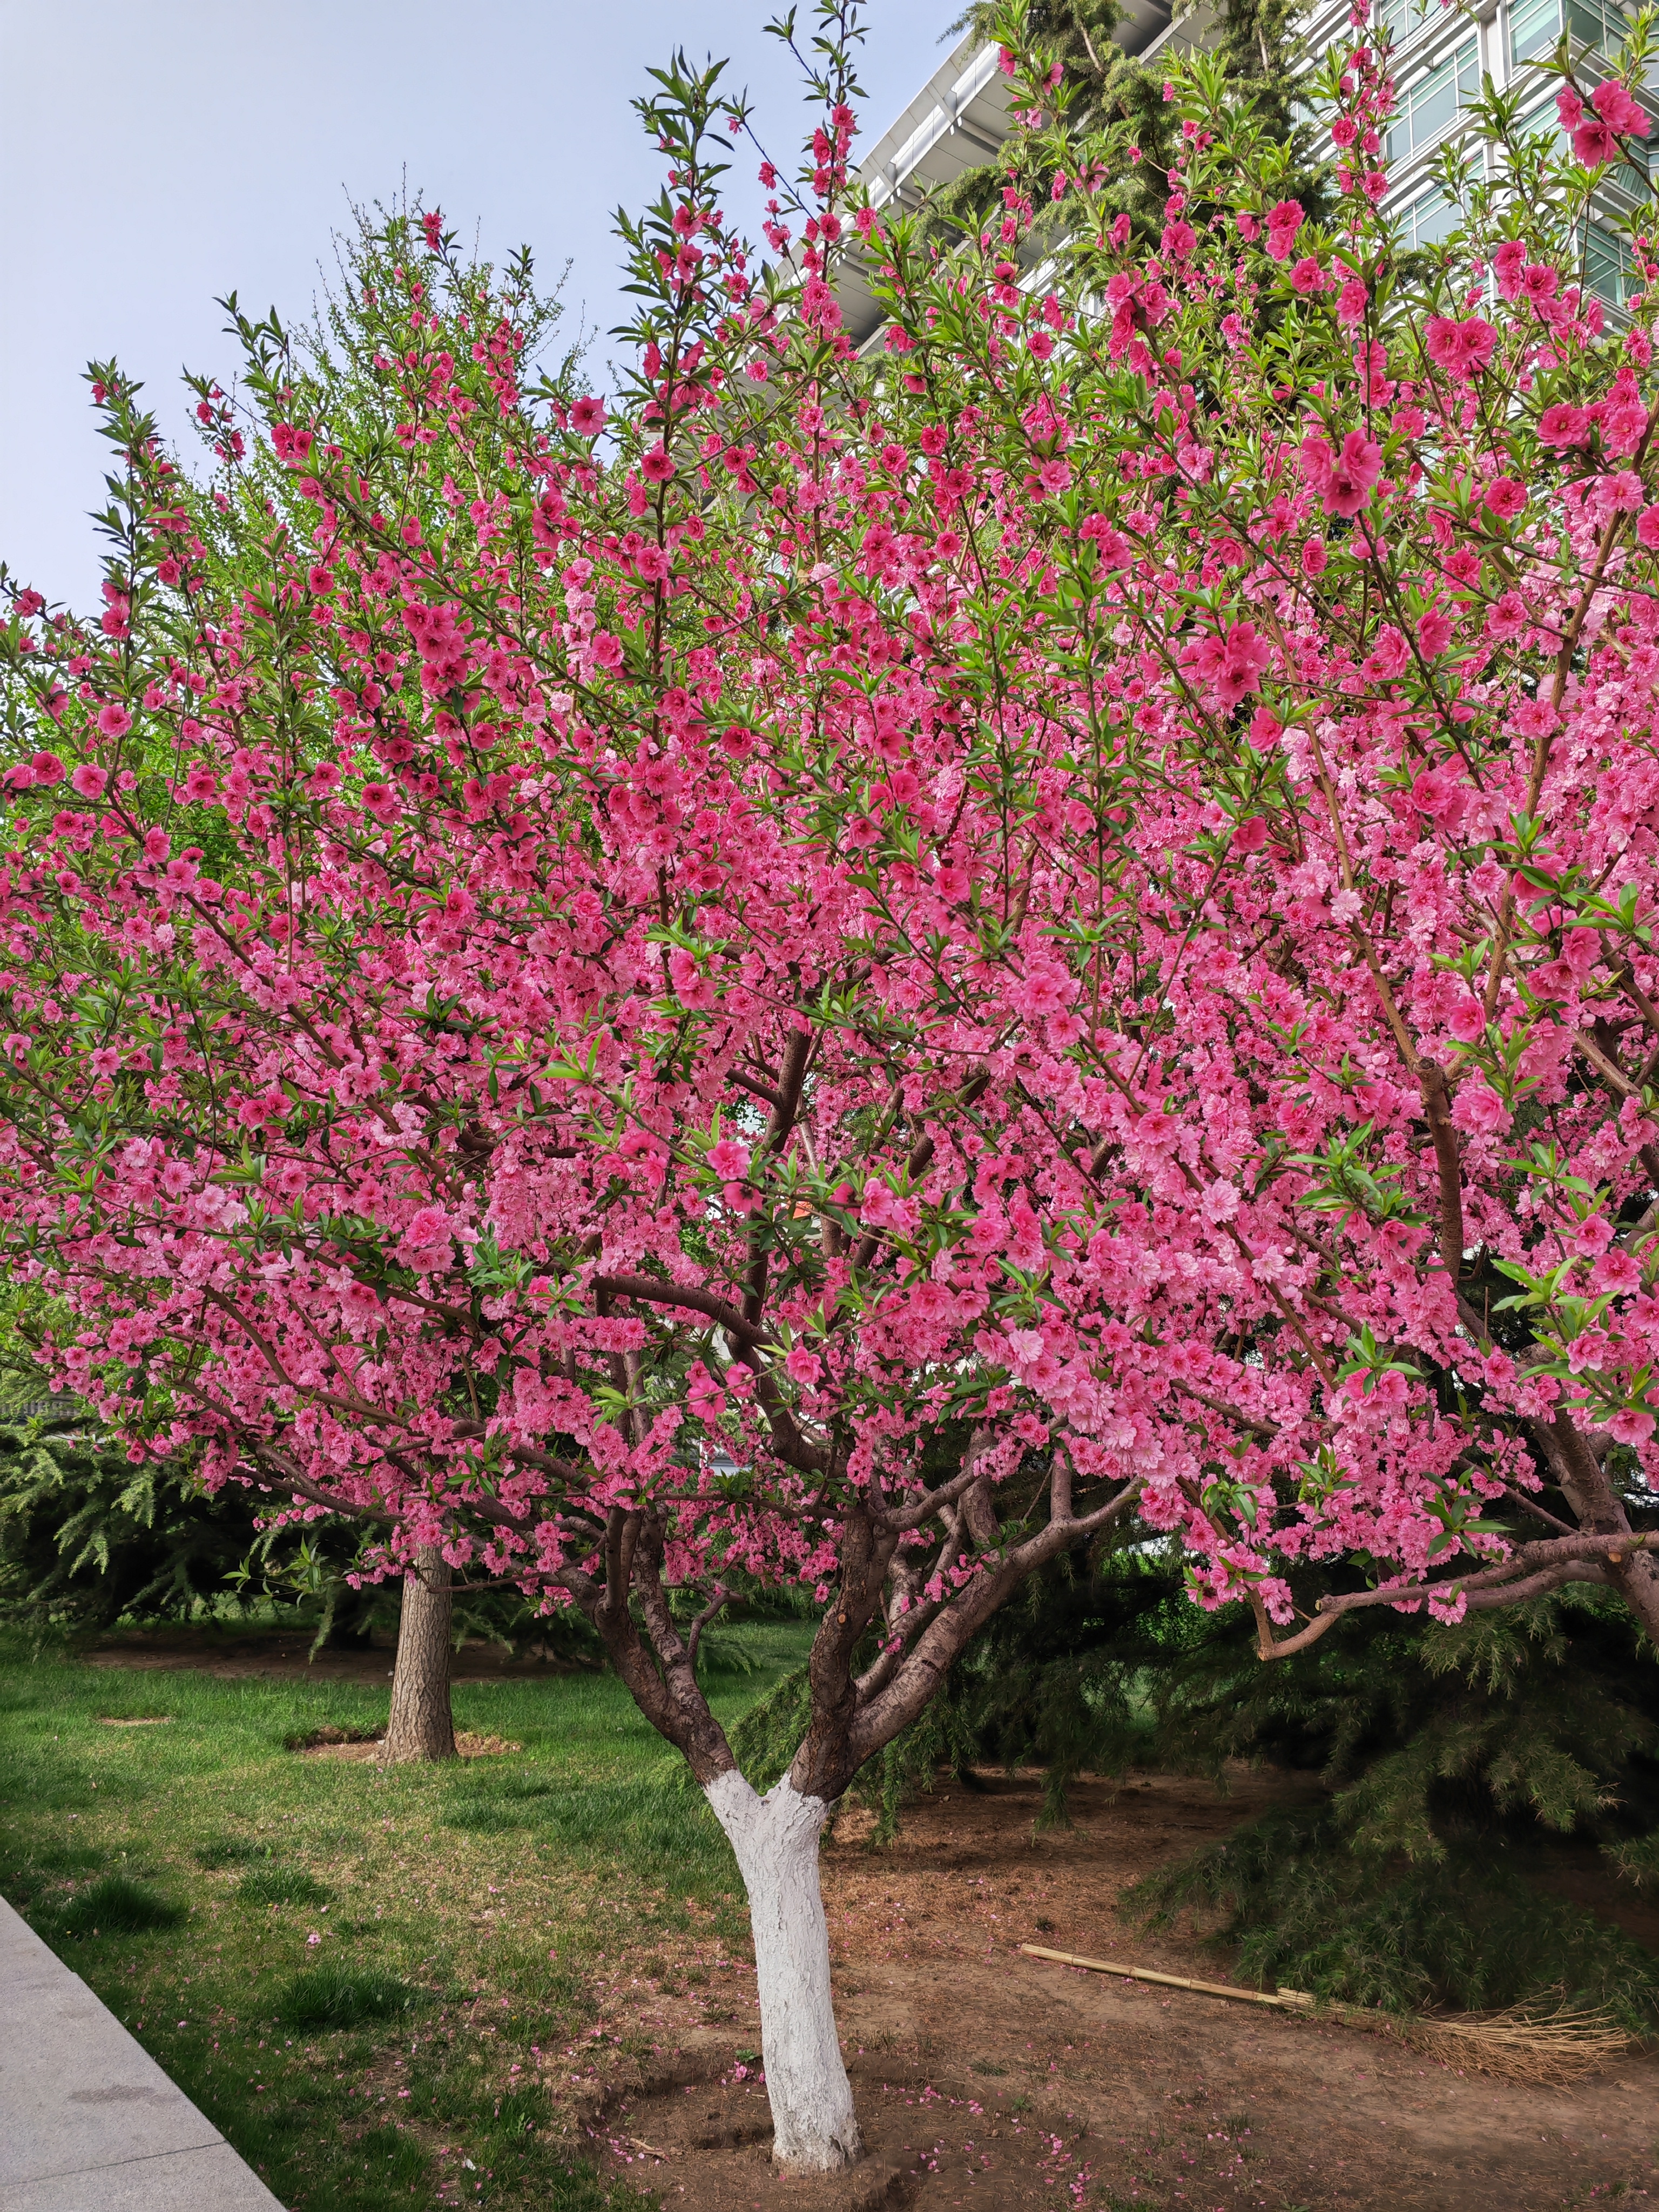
421,1725
775,1839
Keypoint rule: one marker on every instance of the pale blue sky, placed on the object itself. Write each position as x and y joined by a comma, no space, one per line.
156,153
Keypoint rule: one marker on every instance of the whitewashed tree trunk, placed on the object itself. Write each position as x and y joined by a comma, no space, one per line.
775,1839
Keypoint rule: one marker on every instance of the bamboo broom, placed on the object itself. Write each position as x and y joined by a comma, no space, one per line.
1548,2048
1287,2000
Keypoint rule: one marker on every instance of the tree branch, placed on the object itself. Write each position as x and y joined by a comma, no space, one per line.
657,1290
1432,1079
1572,1559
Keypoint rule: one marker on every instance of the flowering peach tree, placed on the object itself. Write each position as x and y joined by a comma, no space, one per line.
854,967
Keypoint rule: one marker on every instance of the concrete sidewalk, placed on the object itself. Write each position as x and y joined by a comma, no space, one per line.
88,2122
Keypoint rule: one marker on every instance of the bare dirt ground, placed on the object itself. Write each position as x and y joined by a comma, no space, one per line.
987,2078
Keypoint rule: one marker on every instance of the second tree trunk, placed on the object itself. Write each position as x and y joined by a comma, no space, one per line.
421,1725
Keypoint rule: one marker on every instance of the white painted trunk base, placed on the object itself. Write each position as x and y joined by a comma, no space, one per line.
775,1839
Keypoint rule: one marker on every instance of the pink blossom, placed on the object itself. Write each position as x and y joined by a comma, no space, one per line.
113,720
1460,347
1342,481
1621,492
729,1159
1479,1110
1594,144
1283,221
1507,617
1506,496
1221,1200
587,418
1564,424
1232,664
1631,1424
1352,302
1619,110
1507,260
1617,1271
1623,427
882,1208
1438,793
88,781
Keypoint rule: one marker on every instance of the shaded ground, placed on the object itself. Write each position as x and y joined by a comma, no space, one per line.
240,1653
988,2078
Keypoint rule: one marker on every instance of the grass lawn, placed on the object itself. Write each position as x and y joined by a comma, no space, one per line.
354,1973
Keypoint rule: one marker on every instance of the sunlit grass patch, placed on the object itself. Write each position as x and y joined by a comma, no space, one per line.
333,1996
281,1885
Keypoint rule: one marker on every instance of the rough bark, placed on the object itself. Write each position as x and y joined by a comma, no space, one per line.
1599,1510
775,1839
421,1725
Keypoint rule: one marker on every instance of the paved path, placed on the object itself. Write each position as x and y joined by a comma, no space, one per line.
88,2122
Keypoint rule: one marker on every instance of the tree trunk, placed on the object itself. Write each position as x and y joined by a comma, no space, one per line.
775,1839
1636,1580
420,1725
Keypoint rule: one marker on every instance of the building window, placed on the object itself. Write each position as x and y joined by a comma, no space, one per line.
1403,20
1535,25
1609,267
1428,107
1430,218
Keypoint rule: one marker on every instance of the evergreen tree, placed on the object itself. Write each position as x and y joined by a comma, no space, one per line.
1102,89
1455,1761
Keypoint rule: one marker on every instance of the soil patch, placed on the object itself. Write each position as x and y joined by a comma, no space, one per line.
150,1720
341,1743
985,2077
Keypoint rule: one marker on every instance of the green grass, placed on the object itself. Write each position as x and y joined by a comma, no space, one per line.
115,1904
283,1885
336,1996
469,1919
